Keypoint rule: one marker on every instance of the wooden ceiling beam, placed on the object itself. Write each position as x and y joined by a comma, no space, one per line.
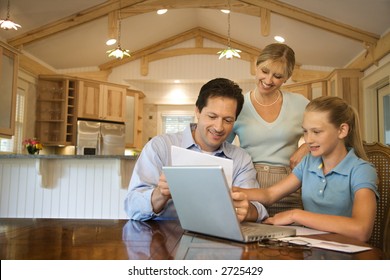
249,7
154,5
113,25
194,33
182,37
71,21
265,17
315,20
372,55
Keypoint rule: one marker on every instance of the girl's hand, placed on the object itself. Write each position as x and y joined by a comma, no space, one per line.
282,218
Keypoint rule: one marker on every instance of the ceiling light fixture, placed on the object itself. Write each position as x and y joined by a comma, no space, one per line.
229,52
118,52
7,23
279,39
162,11
110,42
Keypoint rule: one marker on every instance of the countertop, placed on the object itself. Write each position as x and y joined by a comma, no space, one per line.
25,156
45,164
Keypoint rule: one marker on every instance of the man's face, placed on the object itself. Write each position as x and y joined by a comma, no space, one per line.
215,122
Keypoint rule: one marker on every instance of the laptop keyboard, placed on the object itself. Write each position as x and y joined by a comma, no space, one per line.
249,230
253,234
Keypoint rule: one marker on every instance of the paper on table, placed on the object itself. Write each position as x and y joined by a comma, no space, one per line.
300,230
329,245
181,156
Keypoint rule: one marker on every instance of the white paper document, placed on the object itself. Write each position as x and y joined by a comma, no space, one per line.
329,245
181,156
301,230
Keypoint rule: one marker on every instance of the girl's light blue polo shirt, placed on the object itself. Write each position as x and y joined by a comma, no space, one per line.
334,193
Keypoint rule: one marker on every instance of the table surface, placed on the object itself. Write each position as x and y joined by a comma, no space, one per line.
79,239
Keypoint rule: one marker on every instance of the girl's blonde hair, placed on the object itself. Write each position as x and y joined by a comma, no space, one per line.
339,112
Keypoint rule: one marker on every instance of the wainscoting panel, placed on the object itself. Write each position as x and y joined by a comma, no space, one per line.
71,188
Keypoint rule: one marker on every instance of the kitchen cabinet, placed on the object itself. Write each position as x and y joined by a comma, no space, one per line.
134,118
56,111
100,101
62,100
8,78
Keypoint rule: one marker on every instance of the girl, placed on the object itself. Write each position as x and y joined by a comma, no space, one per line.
339,189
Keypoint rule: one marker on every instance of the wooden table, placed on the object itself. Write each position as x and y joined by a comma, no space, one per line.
64,239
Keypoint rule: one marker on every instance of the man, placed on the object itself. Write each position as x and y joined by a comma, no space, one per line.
218,105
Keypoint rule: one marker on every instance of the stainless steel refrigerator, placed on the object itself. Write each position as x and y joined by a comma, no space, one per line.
100,138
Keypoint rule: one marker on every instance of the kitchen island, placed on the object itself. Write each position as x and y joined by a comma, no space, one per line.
64,186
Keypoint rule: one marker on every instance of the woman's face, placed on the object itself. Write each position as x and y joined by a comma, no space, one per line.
270,76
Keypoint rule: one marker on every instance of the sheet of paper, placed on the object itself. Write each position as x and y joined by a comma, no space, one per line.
323,244
181,156
306,231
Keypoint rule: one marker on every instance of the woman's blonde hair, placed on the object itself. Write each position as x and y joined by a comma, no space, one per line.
339,112
278,52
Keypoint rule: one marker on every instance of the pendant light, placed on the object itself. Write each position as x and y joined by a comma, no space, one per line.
229,52
7,23
118,52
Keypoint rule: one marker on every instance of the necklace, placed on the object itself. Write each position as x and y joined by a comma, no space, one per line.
266,105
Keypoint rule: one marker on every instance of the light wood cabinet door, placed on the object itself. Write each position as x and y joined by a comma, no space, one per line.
134,121
89,102
101,102
113,103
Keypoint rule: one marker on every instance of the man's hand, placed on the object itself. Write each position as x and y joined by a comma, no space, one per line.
161,194
163,187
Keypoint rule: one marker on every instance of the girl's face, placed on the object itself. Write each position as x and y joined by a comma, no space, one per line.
322,137
270,76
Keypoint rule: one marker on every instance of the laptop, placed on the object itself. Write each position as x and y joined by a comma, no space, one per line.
203,204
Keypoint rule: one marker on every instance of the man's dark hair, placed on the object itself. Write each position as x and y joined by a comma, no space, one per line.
220,87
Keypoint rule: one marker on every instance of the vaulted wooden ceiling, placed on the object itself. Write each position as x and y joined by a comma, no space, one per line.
70,34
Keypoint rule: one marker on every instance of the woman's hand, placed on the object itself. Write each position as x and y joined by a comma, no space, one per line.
251,194
241,205
298,155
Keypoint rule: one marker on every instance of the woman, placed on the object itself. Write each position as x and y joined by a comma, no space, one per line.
339,189
269,126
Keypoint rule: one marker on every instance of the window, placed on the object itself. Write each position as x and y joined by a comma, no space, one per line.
175,123
383,114
173,118
14,144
